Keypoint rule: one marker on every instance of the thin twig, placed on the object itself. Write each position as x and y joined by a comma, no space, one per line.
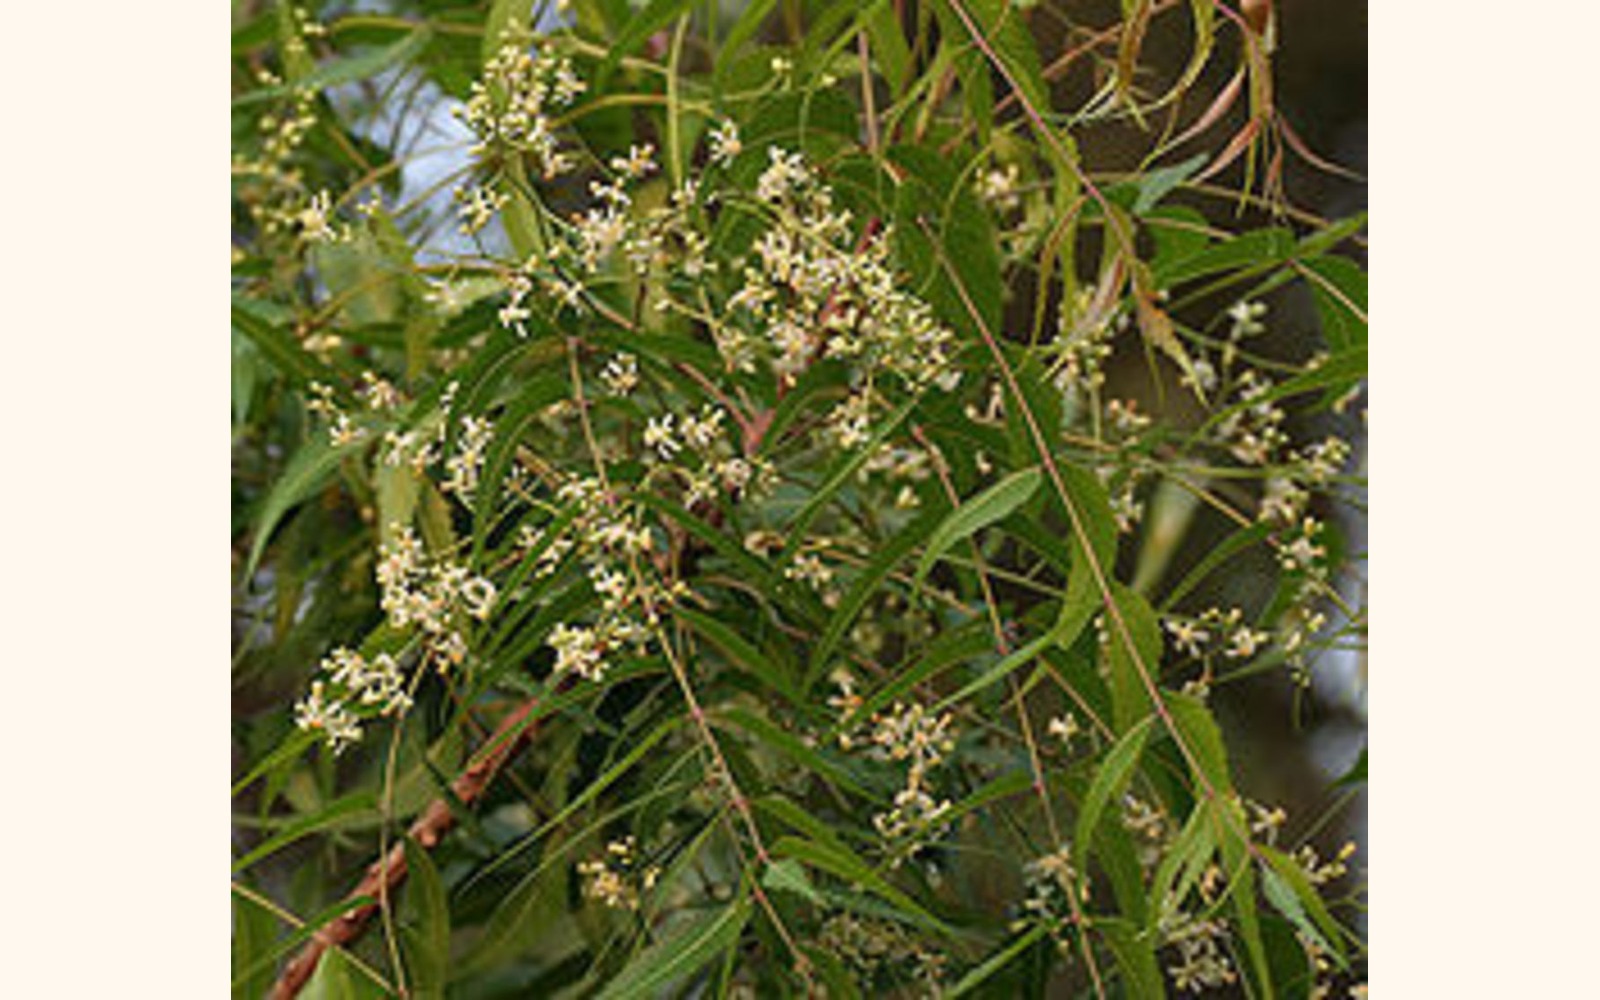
386,875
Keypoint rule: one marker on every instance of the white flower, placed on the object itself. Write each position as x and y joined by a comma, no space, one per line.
658,435
638,164
477,597
784,174
701,432
577,649
621,374
725,144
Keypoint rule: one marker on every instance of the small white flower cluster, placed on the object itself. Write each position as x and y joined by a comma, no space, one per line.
1303,552
465,466
1215,632
621,375
1246,320
715,467
315,221
431,594
1148,825
317,712
614,543
911,733
817,290
1254,434
1052,882
1082,349
1202,963
725,143
997,188
615,878
376,683
1319,872
478,204
903,465
1265,822
881,953
510,107
1064,728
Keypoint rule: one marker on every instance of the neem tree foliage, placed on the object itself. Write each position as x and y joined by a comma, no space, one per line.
754,538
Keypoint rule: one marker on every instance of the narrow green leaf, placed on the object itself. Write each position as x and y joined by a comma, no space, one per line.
839,860
1130,692
996,962
356,804
428,910
768,734
1135,956
284,352
1203,738
790,876
739,651
1341,300
1255,250
673,959
657,14
1110,780
1286,887
863,588
993,504
347,70
1157,184
307,472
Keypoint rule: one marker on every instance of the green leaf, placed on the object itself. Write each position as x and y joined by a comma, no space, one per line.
428,910
1339,291
1017,658
889,50
1203,738
935,195
739,652
657,14
996,962
356,804
1133,670
837,859
1187,857
768,734
1135,956
1256,250
331,980
790,876
993,504
943,653
861,590
749,22
672,959
1286,887
841,475
1110,780
1357,775
1157,184
280,348
1219,554
306,474
347,70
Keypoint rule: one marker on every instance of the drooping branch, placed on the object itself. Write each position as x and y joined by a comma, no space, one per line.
386,875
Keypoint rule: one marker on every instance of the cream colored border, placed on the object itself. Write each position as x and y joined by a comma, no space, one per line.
1487,359
114,360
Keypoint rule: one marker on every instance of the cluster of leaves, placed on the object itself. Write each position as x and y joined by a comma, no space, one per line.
798,436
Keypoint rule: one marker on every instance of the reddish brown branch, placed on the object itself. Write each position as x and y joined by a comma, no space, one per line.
386,874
